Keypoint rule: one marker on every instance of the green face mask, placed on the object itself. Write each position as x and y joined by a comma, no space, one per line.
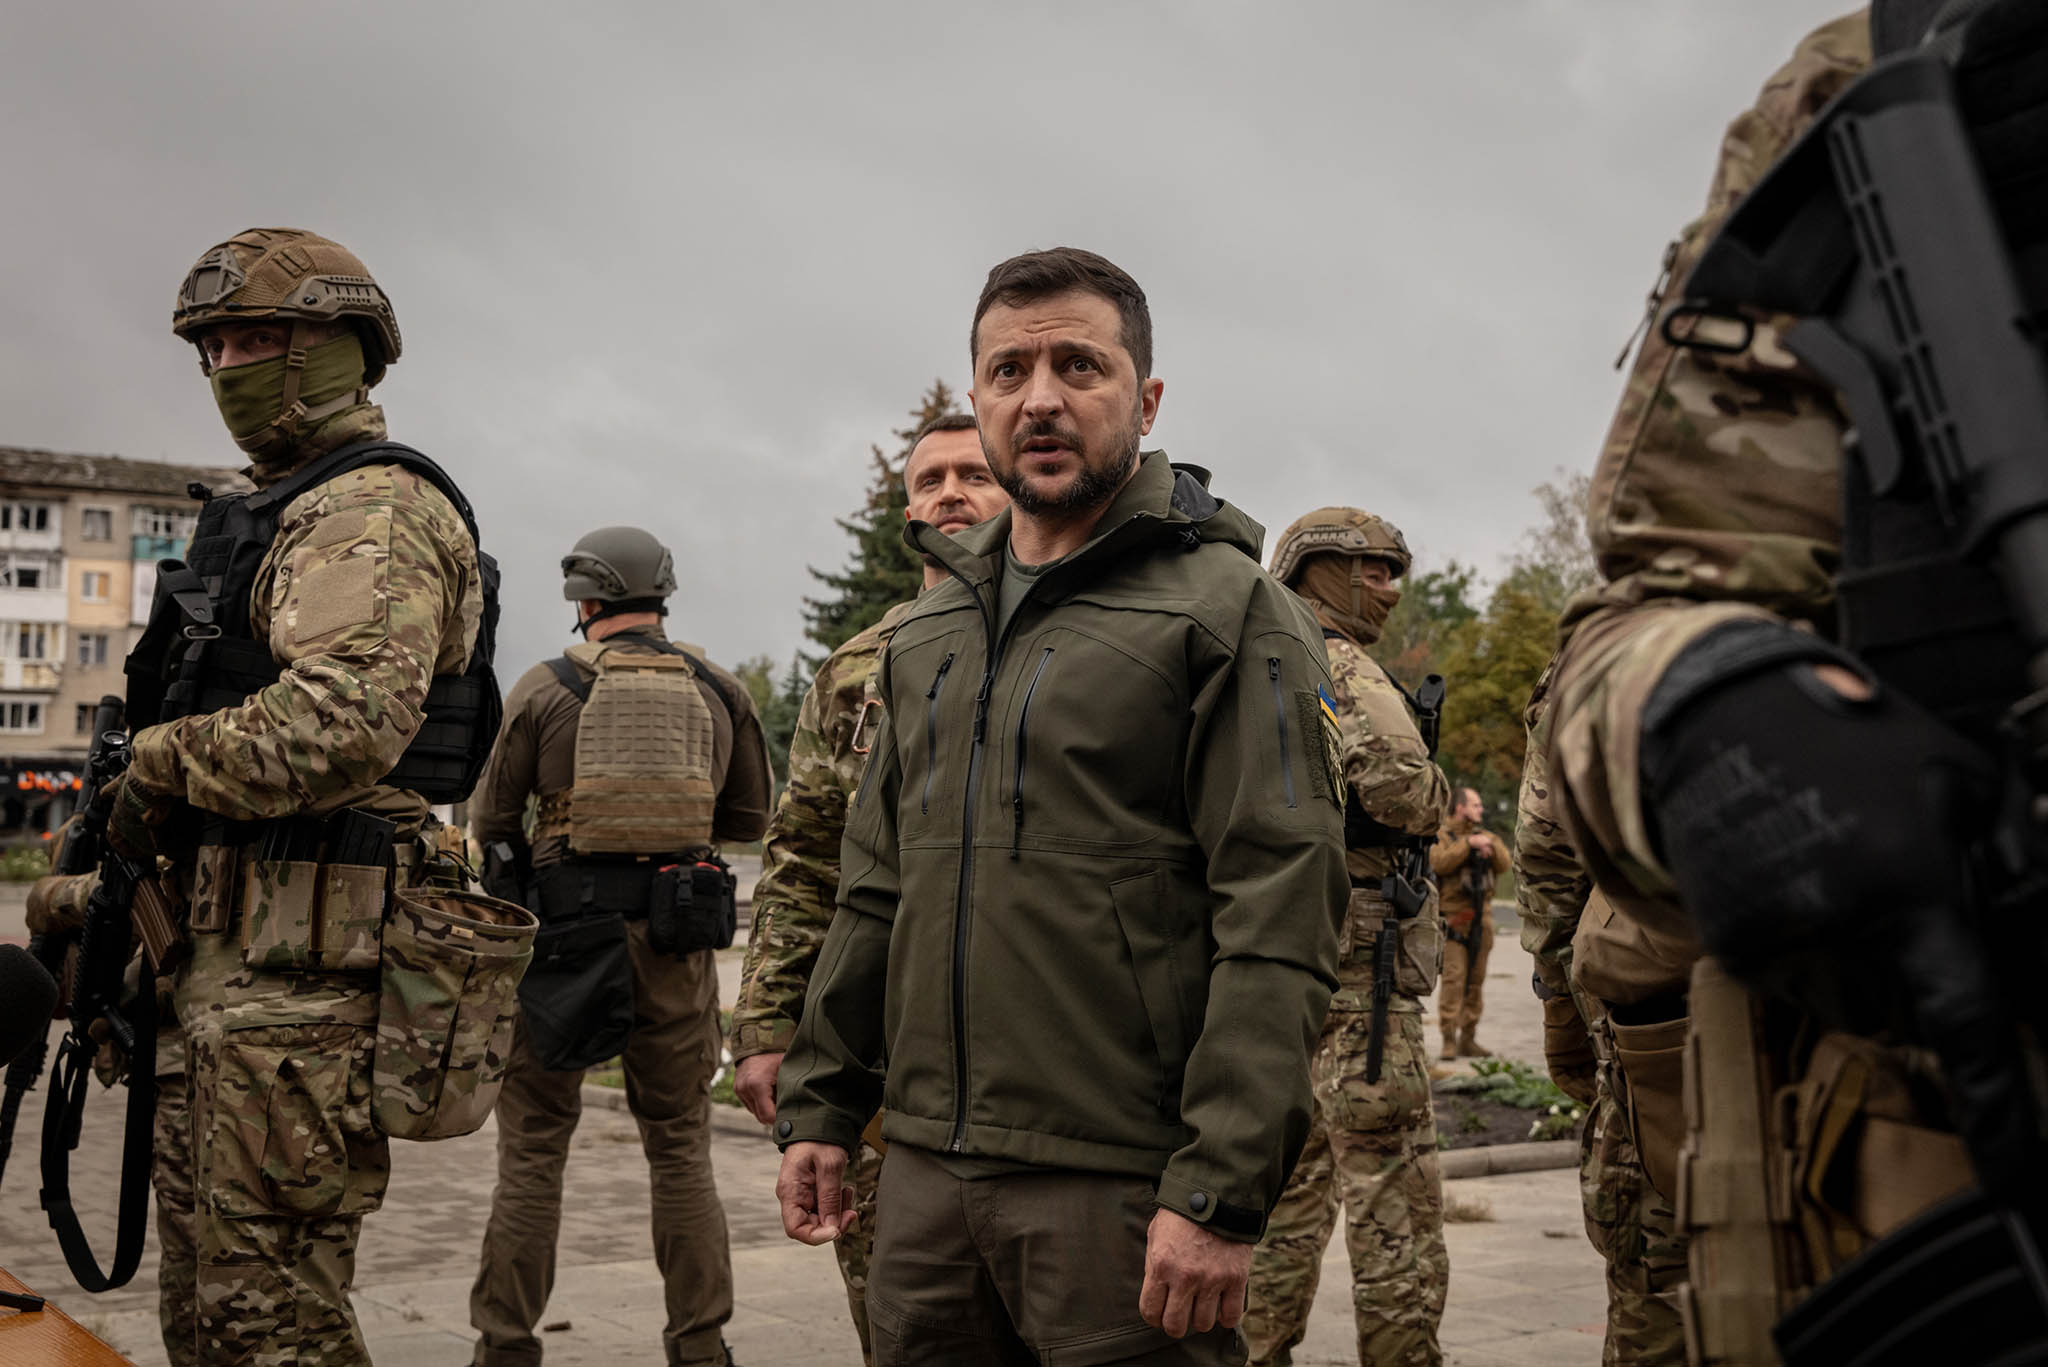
251,397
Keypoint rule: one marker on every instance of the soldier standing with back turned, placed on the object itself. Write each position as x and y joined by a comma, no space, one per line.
948,485
642,757
1372,1149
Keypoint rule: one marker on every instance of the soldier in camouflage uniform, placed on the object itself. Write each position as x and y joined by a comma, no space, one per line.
1372,1148
949,485
370,590
1632,1225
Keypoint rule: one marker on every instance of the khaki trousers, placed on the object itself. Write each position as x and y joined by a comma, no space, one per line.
1461,995
669,1059
1029,1267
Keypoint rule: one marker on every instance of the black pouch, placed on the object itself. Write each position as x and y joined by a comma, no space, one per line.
693,907
577,995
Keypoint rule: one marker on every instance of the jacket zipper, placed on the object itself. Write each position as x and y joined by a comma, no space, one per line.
931,733
964,893
1280,715
1017,789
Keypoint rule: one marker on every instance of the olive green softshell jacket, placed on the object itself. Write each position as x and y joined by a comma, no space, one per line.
1091,883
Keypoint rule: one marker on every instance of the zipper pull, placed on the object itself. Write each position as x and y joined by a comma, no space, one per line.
981,707
939,678
1017,825
1273,668
1650,304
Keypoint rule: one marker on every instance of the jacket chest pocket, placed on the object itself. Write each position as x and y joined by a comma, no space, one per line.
932,687
1091,740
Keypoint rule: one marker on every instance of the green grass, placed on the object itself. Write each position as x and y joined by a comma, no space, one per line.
24,864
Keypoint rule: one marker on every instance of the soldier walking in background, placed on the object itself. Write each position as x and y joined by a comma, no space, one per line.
641,757
1631,1224
1467,860
281,688
948,486
1372,1149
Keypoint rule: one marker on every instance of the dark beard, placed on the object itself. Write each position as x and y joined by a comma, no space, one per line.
1092,488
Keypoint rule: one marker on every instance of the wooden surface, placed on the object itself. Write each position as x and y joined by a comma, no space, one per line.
48,1337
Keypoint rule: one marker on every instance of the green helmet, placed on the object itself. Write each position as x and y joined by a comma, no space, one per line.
1342,531
288,273
618,565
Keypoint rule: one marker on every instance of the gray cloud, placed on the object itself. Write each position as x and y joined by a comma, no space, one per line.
680,265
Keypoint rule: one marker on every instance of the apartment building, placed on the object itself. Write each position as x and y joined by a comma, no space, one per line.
79,540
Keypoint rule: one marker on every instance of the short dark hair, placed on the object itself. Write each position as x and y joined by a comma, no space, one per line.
945,422
1040,275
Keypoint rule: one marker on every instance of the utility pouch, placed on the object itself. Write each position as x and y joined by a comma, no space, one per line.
1651,1056
450,985
313,894
692,907
214,889
1419,957
276,905
577,995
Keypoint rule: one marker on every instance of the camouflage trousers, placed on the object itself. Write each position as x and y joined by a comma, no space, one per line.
281,1158
1373,1151
864,1175
170,1174
1635,1229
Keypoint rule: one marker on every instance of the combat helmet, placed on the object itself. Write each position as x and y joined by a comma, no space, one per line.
1344,531
624,568
288,273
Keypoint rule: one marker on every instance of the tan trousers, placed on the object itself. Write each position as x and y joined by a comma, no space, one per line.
669,1059
1461,995
1030,1267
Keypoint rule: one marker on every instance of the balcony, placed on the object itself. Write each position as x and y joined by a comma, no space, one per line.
49,604
50,539
29,676
155,548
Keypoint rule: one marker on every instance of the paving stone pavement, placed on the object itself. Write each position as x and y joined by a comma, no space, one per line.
1525,1286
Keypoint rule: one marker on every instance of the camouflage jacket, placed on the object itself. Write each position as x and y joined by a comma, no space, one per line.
369,591
799,887
1551,885
1718,497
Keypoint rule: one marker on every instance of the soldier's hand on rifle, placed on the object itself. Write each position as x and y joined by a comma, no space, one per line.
142,824
1480,843
1809,820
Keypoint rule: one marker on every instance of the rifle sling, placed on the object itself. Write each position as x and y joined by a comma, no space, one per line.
68,1079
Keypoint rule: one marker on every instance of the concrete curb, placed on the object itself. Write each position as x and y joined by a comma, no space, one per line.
1484,1160
1492,1160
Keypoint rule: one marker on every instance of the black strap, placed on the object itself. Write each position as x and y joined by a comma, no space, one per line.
340,461
574,679
68,1079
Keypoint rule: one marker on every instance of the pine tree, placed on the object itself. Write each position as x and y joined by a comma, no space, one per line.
884,571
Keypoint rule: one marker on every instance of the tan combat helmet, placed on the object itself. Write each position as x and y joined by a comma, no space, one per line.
288,273
1344,531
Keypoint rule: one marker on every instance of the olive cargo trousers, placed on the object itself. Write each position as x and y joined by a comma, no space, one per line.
669,1060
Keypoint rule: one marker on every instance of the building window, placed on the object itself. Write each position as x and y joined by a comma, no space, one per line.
96,524
24,517
22,716
18,572
32,642
163,522
95,586
83,719
92,649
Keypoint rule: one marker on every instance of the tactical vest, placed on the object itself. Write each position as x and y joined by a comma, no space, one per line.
644,783
197,655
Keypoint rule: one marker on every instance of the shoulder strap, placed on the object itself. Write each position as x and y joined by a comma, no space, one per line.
702,670
571,677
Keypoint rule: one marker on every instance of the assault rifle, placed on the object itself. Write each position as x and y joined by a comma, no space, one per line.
1905,235
127,897
1406,889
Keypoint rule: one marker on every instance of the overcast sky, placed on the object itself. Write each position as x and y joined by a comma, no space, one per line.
679,264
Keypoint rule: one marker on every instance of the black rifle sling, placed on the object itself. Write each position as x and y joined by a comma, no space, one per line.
68,1079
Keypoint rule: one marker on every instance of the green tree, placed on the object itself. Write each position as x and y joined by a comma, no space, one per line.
1435,609
1556,557
776,704
1490,669
884,571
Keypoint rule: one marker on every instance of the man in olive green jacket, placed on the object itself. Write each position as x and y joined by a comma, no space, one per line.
1090,886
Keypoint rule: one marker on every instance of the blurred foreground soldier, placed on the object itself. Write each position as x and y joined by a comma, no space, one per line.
949,486
1468,860
1848,816
641,757
1091,885
313,676
1630,1222
1372,1148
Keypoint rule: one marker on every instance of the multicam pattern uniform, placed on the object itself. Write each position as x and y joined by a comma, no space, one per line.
799,889
1717,498
1372,1148
370,589
1629,1223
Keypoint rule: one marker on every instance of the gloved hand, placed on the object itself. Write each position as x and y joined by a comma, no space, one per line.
1568,1049
56,902
1808,831
142,824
